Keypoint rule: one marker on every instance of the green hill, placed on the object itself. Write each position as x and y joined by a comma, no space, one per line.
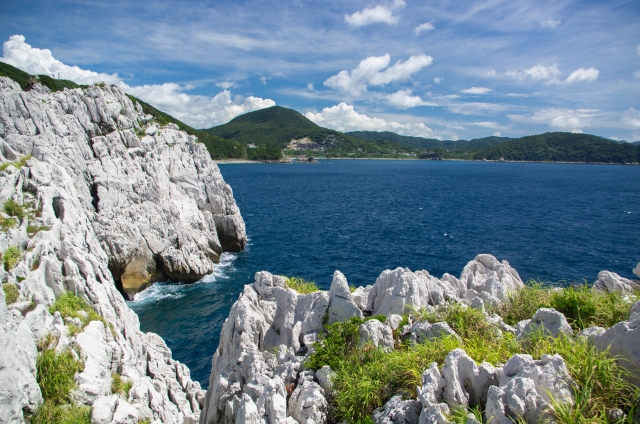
279,126
563,147
421,143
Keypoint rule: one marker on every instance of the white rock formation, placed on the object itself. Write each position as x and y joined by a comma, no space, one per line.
547,321
611,282
110,202
525,388
376,333
158,204
636,270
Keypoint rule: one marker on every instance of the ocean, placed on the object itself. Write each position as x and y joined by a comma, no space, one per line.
561,223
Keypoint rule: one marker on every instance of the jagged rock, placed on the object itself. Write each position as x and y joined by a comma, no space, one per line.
486,274
375,332
465,382
103,408
398,411
636,270
341,306
77,137
546,320
360,297
525,389
325,376
158,204
394,321
634,314
611,282
591,332
307,404
424,331
623,340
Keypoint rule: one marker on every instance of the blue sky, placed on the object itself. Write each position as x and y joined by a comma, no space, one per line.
438,69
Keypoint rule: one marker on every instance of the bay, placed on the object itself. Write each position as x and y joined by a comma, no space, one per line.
555,222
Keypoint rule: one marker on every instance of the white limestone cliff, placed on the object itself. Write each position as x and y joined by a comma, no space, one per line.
112,207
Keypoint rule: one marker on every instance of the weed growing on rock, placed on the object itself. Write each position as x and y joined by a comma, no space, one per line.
55,372
6,223
11,257
32,230
460,414
120,386
13,208
581,305
301,285
71,306
11,293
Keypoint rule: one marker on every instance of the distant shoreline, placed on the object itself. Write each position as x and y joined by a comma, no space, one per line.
247,161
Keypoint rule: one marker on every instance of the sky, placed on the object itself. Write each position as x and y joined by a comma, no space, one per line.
435,69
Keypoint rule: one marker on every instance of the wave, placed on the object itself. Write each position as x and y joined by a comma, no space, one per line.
172,290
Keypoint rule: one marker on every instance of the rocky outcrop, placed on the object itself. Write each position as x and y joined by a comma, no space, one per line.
156,201
102,205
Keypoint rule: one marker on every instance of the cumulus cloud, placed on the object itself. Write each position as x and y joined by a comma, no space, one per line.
486,124
579,75
343,117
263,79
561,119
550,23
310,87
372,71
16,52
539,72
403,99
427,26
368,16
636,74
476,90
196,110
496,134
631,119
438,80
225,85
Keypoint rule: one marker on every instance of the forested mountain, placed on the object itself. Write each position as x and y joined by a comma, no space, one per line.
421,143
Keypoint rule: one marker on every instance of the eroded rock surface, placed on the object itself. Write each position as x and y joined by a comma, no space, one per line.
157,203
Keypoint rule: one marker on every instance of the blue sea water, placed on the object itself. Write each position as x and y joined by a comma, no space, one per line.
554,222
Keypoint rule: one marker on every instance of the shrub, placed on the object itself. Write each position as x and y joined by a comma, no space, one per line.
13,208
11,293
301,285
523,304
11,257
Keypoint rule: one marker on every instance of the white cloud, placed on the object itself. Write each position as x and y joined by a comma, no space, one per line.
343,117
550,23
517,95
399,4
403,99
40,61
370,71
264,80
368,16
196,110
539,72
638,49
561,119
438,80
486,124
631,119
582,74
496,134
310,87
476,90
225,85
427,26
637,74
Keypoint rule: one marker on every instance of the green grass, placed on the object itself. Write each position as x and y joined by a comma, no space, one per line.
6,223
13,208
120,386
70,305
367,377
11,257
32,230
55,375
11,293
17,164
581,305
301,285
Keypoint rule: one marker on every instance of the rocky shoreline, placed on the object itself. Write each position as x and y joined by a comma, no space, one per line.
261,373
97,197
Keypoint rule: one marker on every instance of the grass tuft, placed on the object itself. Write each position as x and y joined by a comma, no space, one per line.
11,293
301,285
32,230
6,223
13,208
120,386
70,306
11,257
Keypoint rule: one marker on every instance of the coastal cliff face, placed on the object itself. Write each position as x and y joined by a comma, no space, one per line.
94,195
264,369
